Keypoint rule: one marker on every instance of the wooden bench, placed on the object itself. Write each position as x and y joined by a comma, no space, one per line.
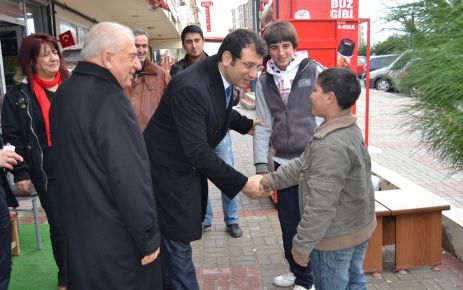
373,261
15,244
415,225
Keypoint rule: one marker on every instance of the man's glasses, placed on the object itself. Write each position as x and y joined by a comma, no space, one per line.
248,65
141,45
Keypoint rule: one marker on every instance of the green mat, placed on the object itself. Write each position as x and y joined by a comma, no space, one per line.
34,269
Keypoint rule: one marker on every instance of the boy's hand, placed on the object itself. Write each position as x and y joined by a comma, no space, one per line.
300,259
264,186
256,122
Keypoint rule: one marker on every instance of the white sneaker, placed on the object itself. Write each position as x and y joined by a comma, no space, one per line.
285,280
299,287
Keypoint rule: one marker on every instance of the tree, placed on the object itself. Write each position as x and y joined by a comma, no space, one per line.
435,32
393,44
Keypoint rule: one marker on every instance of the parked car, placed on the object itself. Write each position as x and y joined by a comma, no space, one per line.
361,60
397,77
382,79
380,61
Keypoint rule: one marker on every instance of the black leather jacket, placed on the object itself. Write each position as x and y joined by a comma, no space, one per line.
19,111
183,64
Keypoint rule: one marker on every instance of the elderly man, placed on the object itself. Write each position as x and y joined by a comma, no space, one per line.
108,209
149,82
194,115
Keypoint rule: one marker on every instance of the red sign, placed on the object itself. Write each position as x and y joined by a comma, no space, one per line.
207,5
343,34
66,39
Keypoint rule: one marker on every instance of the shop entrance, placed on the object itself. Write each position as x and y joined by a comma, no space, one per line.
11,36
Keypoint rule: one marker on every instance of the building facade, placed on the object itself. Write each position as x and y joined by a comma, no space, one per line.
163,20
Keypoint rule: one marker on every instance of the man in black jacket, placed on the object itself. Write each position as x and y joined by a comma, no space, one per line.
194,115
102,170
8,159
193,43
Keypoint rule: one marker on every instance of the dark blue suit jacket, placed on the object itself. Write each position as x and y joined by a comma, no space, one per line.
191,120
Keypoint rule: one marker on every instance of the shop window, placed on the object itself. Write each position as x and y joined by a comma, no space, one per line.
78,32
36,18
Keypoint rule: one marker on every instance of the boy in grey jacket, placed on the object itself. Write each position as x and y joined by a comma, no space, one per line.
336,198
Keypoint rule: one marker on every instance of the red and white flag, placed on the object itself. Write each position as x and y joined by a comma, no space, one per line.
66,39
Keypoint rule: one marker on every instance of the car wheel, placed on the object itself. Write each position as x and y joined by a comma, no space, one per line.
383,85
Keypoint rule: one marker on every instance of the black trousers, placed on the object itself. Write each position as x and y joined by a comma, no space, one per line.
178,269
49,201
5,243
289,216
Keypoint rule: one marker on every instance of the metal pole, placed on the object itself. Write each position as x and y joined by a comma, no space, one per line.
367,87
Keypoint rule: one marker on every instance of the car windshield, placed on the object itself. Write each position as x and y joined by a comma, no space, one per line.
380,61
401,61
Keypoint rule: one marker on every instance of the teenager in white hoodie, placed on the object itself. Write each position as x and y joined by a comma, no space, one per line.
282,102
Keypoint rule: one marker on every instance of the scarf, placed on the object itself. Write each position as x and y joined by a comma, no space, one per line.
38,86
284,78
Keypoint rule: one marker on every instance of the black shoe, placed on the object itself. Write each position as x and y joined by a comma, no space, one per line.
234,230
207,228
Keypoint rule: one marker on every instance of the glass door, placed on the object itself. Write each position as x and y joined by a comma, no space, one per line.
10,37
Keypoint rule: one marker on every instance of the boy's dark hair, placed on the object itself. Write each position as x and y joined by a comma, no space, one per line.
191,29
280,31
238,39
343,83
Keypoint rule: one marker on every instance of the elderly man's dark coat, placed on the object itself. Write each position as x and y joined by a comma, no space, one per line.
103,176
190,121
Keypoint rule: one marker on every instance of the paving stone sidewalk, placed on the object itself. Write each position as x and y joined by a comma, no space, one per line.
252,261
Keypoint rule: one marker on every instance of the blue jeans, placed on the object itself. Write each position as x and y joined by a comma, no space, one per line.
230,210
340,269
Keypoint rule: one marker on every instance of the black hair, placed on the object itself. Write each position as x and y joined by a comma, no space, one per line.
343,83
238,39
280,31
191,29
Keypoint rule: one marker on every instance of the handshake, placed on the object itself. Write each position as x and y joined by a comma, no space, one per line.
255,189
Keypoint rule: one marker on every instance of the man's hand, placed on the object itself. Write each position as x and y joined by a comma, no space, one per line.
150,258
12,215
251,188
8,159
300,259
255,123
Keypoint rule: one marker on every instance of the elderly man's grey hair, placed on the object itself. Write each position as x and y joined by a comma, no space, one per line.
105,36
137,32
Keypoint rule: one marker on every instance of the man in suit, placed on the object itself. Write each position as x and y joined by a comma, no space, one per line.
194,115
193,43
102,170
